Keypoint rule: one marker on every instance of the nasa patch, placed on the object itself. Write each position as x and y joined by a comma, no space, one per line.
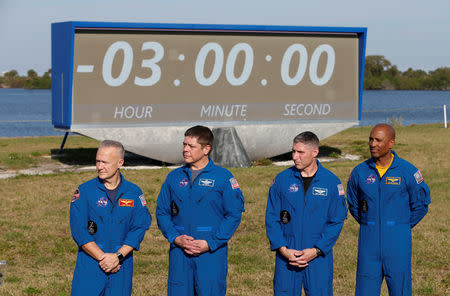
102,202
76,195
320,191
206,182
418,177
293,187
371,179
183,183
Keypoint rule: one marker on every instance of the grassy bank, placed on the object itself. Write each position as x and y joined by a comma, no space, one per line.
35,237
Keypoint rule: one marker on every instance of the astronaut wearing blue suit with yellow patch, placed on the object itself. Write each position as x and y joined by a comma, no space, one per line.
306,209
108,220
198,210
388,197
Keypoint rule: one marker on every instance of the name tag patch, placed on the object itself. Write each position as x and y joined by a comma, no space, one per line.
206,182
320,191
126,203
393,180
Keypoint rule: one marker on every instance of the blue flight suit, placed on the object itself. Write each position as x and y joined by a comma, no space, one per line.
210,209
95,218
301,221
386,210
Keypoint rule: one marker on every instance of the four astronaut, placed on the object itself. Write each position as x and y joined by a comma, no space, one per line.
200,205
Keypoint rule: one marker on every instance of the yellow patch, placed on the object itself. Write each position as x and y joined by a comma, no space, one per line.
393,180
126,203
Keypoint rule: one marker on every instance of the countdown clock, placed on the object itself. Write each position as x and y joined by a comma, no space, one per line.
127,74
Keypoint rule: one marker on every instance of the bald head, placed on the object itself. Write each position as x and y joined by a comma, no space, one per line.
387,129
381,141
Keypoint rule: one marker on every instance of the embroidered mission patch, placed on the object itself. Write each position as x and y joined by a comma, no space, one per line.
285,217
76,195
92,227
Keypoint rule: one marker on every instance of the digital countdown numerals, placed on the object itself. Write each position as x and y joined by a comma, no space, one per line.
219,59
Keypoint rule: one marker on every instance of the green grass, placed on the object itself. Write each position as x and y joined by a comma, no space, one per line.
35,237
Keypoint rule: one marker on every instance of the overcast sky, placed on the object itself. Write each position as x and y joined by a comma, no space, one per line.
414,33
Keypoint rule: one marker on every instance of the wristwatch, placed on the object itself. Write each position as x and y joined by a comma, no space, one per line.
319,252
120,256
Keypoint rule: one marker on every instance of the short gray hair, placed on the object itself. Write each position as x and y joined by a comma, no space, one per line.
308,138
114,144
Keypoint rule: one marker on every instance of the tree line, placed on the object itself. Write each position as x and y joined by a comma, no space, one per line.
12,79
379,74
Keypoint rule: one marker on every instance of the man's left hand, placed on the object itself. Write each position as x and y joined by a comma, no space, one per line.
199,247
108,262
308,255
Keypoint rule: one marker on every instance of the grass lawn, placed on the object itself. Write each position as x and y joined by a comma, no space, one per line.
34,218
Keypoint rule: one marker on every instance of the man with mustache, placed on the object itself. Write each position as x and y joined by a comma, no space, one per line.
387,196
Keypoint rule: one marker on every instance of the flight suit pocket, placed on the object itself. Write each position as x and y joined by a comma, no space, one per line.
284,276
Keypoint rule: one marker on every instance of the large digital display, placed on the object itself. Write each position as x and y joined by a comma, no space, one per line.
152,75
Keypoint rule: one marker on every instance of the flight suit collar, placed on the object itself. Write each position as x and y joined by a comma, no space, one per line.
199,193
294,199
318,172
207,168
394,164
101,185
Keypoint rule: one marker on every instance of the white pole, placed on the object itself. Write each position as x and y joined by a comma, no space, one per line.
445,116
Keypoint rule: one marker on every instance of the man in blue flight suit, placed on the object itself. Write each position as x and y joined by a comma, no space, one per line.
388,197
198,210
108,220
305,213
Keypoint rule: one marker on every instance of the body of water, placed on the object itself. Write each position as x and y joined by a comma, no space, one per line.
25,113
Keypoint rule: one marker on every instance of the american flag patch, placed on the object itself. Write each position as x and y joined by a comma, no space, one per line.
143,201
418,177
234,183
341,189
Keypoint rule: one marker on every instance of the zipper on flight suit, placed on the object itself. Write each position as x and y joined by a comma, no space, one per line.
113,204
